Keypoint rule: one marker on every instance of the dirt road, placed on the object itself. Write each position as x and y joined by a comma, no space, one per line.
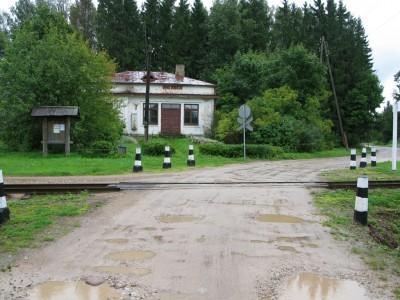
202,242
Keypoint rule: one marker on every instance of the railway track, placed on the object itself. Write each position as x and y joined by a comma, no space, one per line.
116,187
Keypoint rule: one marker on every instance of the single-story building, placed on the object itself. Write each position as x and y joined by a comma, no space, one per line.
178,105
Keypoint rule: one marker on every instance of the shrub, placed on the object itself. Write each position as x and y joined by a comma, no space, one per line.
236,150
291,134
155,148
202,140
126,139
99,149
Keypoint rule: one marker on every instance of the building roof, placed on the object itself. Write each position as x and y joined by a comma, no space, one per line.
55,111
156,77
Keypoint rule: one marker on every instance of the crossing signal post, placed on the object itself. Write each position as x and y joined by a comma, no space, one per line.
244,120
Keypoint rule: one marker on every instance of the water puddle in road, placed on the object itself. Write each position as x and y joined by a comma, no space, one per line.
117,241
308,286
150,228
131,255
287,248
278,219
201,239
288,239
124,270
57,290
179,219
166,229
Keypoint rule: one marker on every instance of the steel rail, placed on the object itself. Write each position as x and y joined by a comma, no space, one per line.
48,188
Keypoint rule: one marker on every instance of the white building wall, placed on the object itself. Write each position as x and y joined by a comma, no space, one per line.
132,114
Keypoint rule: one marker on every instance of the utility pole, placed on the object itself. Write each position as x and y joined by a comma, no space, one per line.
324,45
149,50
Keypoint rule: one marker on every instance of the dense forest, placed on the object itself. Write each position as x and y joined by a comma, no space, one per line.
276,59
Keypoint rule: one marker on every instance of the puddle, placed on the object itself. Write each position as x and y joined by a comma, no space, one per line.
56,290
278,219
308,286
150,228
292,239
158,238
117,241
166,229
287,248
131,255
201,239
179,219
124,270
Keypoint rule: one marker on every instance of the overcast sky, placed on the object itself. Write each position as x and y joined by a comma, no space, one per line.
380,19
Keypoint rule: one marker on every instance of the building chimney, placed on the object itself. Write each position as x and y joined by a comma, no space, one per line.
180,71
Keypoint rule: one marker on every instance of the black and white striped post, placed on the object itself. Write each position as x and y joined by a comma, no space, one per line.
137,167
167,158
4,210
361,205
353,159
191,162
363,160
373,157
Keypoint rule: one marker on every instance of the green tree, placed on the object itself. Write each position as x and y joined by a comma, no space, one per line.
55,67
301,70
82,16
198,39
22,11
119,32
256,24
181,35
287,26
225,37
243,78
163,58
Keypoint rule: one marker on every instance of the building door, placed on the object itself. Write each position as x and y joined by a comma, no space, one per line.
170,119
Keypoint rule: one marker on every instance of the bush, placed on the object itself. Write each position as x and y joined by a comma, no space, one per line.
255,151
99,149
201,140
291,134
155,148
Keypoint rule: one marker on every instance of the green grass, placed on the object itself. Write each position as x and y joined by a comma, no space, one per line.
383,171
41,219
336,152
377,243
33,164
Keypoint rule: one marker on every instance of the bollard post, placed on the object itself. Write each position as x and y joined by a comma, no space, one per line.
373,157
137,167
353,159
167,158
361,205
363,161
4,210
191,162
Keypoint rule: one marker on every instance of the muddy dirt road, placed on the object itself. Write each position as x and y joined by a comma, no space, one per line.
201,242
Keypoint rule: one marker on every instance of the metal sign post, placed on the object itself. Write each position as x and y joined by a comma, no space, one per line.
244,121
396,108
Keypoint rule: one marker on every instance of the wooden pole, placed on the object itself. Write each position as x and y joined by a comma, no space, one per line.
44,136
68,136
344,138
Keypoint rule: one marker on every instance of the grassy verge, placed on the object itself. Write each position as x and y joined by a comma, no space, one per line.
41,219
383,171
378,242
33,164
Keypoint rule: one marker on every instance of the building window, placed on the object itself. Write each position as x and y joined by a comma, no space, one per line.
153,113
191,114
